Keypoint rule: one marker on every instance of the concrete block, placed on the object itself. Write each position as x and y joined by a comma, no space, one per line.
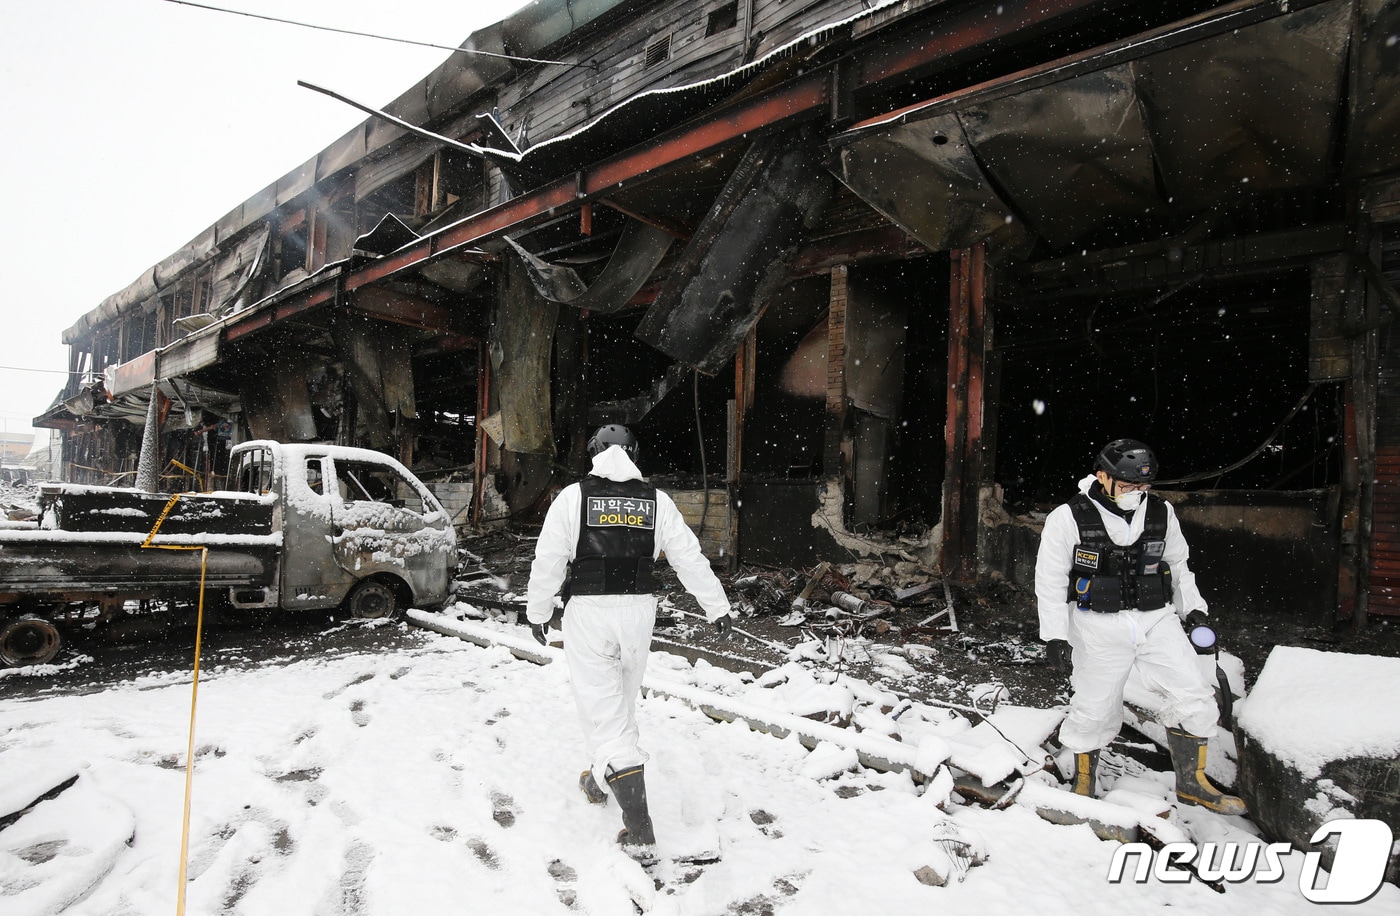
1319,740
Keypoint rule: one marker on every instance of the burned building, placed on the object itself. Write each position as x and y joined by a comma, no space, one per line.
869,278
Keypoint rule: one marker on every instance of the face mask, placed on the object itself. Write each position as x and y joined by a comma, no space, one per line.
1129,501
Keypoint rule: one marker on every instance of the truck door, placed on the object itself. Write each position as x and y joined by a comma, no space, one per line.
386,522
311,577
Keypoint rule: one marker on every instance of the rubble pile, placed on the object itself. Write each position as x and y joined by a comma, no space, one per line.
19,502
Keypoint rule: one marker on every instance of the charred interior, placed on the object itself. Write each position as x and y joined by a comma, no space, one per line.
865,281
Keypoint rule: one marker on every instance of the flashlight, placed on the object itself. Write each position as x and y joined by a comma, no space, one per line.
1202,639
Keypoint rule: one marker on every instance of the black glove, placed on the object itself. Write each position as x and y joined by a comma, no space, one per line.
724,625
1200,632
1057,655
541,630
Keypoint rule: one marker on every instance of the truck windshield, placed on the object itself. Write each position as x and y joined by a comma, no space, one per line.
363,481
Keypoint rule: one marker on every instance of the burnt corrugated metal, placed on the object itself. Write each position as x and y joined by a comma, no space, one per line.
639,249
1056,148
1251,110
741,254
638,103
1375,98
952,207
1157,126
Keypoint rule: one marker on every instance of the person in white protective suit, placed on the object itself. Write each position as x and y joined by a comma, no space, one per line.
603,535
1112,584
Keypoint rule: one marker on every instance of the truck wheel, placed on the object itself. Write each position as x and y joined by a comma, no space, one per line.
28,640
372,600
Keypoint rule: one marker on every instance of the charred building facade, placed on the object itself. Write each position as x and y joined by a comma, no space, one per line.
871,279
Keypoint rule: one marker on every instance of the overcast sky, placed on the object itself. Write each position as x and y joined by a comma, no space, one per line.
132,125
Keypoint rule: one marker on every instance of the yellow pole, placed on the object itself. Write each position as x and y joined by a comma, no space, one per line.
194,695
189,750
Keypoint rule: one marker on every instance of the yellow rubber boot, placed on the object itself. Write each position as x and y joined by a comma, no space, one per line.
1192,786
1086,774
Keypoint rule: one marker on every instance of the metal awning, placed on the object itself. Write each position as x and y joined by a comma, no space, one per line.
1245,99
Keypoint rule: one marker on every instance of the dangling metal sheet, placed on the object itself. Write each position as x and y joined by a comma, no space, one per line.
378,361
235,269
1071,157
740,254
1251,110
276,398
1374,131
522,340
924,178
636,255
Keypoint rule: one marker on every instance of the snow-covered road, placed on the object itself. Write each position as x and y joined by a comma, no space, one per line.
440,777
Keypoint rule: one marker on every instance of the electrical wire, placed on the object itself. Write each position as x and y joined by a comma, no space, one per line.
405,41
700,437
1192,478
27,369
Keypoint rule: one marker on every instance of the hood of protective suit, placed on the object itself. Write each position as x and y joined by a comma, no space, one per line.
1086,484
614,464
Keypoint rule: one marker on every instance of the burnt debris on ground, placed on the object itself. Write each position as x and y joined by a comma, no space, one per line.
889,623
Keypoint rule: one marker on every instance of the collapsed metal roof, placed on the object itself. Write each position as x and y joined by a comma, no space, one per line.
1254,96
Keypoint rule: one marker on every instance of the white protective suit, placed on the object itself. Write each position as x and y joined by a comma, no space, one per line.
1107,646
607,637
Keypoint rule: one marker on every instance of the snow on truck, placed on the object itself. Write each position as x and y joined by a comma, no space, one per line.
304,527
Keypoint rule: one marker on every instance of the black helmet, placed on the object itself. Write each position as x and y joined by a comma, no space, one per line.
1129,460
613,434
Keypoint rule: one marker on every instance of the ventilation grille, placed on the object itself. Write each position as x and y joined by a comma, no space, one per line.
659,51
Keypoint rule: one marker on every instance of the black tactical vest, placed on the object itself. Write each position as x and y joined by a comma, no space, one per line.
1108,578
616,538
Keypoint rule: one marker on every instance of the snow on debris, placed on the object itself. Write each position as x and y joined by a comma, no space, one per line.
1310,708
440,776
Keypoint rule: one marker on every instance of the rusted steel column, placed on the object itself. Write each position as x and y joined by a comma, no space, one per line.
834,454
745,367
973,470
962,431
483,410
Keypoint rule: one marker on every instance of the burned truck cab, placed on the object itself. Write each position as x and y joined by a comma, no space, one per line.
358,530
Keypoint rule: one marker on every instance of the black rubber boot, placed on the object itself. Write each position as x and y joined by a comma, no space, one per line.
1192,786
590,789
1086,774
637,837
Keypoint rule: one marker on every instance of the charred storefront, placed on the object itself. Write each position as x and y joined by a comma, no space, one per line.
869,280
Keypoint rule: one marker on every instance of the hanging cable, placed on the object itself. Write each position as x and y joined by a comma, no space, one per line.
405,41
27,369
1192,478
700,438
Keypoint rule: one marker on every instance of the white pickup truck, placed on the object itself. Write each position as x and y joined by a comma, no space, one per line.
303,527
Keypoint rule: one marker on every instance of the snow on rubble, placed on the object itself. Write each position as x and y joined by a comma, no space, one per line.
1304,726
440,776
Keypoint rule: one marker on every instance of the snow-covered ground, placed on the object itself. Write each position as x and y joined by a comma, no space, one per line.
440,777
